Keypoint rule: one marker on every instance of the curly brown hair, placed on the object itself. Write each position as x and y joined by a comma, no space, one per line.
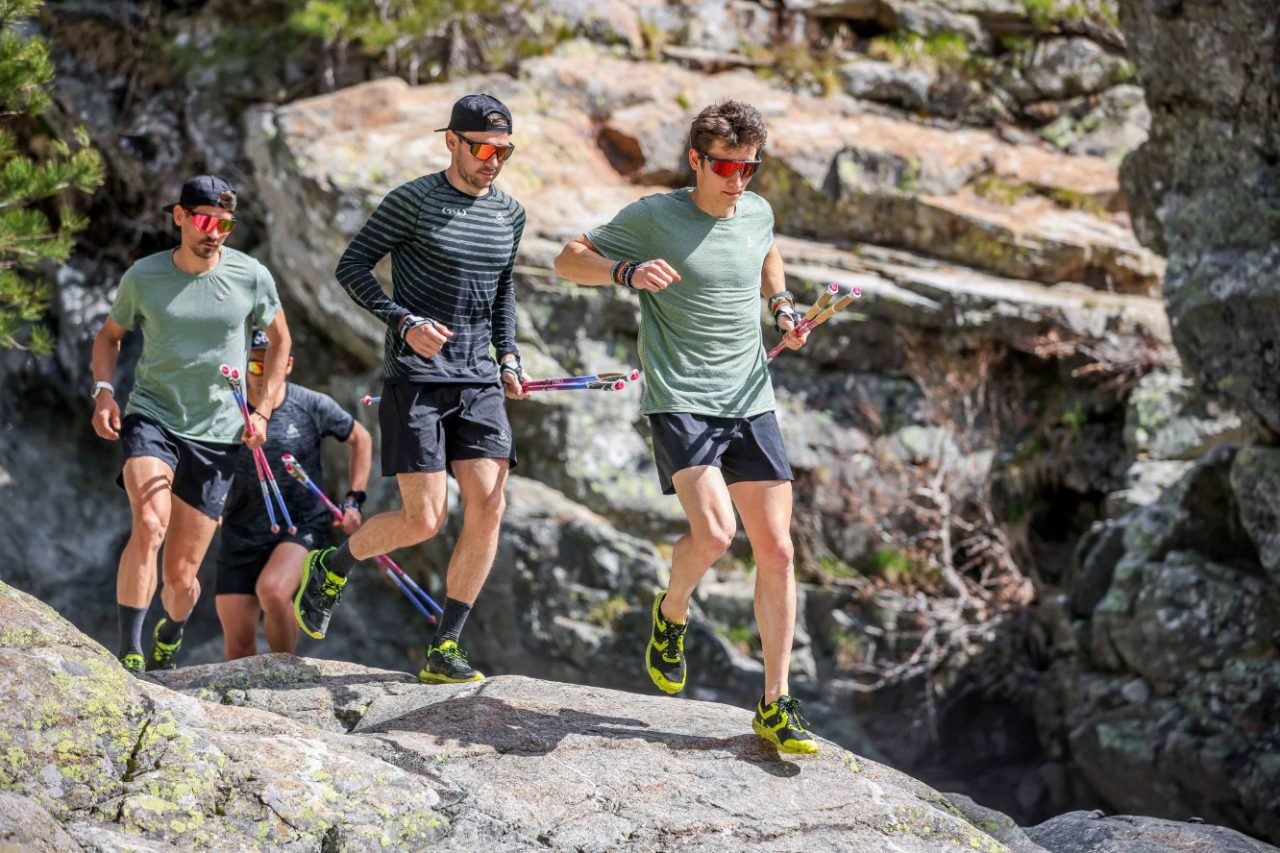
733,122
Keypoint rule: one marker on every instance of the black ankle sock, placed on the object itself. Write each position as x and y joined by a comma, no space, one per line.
170,630
451,621
130,620
339,561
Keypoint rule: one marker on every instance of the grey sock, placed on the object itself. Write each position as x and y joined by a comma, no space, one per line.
130,620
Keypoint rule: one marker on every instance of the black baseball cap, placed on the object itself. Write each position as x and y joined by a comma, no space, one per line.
204,190
478,114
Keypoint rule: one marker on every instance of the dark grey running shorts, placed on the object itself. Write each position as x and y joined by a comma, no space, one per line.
240,564
745,449
426,426
202,470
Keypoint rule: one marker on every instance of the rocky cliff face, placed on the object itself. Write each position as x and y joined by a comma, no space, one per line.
1206,186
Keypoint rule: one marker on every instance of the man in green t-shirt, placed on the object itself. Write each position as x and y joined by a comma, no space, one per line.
700,259
195,306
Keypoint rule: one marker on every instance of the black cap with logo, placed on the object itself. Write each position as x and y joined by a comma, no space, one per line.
478,114
204,190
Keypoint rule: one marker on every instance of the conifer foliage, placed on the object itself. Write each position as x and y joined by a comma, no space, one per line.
39,175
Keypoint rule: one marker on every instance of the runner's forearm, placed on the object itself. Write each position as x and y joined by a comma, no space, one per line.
361,458
503,335
582,264
106,354
275,362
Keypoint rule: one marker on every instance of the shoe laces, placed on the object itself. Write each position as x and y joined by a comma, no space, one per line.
451,650
790,706
331,590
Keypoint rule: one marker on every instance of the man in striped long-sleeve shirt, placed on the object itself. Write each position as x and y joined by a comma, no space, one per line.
452,237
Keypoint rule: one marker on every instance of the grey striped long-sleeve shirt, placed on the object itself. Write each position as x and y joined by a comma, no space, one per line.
451,260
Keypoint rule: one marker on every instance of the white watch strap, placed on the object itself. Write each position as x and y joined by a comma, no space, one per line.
101,384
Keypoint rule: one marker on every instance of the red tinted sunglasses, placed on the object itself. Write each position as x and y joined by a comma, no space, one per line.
208,224
485,150
725,168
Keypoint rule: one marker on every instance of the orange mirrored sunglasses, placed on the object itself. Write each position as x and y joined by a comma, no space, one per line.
485,150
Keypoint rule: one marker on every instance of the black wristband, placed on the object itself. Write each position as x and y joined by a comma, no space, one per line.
628,272
785,296
512,366
354,499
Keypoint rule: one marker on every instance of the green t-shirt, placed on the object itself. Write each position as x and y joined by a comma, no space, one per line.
700,342
191,325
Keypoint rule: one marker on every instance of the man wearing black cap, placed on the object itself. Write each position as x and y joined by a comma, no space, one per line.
257,569
452,237
195,306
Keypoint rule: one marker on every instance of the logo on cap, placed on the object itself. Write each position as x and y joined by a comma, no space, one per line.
478,114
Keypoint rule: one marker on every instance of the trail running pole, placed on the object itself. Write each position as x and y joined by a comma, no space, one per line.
819,317
232,375
823,301
397,574
275,489
606,385
232,378
628,375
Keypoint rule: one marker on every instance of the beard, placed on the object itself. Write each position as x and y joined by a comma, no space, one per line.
205,249
476,178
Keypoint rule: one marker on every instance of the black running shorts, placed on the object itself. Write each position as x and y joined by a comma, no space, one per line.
240,565
202,470
427,426
745,449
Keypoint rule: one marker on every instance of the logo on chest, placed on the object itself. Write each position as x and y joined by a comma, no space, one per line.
454,211
292,431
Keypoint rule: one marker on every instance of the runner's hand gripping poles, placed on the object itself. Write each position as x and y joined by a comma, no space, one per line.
411,590
266,479
821,312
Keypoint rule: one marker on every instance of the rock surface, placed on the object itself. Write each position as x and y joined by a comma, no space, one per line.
1174,618
1206,186
301,754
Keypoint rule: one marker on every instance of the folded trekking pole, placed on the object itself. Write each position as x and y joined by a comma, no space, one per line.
609,381
398,576
266,479
821,312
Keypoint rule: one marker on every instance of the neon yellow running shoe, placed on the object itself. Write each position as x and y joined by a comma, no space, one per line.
780,723
163,655
447,664
318,593
664,656
133,662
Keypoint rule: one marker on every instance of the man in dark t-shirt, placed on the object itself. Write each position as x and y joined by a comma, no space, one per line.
451,359
258,569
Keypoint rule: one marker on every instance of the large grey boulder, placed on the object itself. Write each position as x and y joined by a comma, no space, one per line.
299,754
1090,832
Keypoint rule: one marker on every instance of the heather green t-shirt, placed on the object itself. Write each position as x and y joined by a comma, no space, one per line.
191,325
700,341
